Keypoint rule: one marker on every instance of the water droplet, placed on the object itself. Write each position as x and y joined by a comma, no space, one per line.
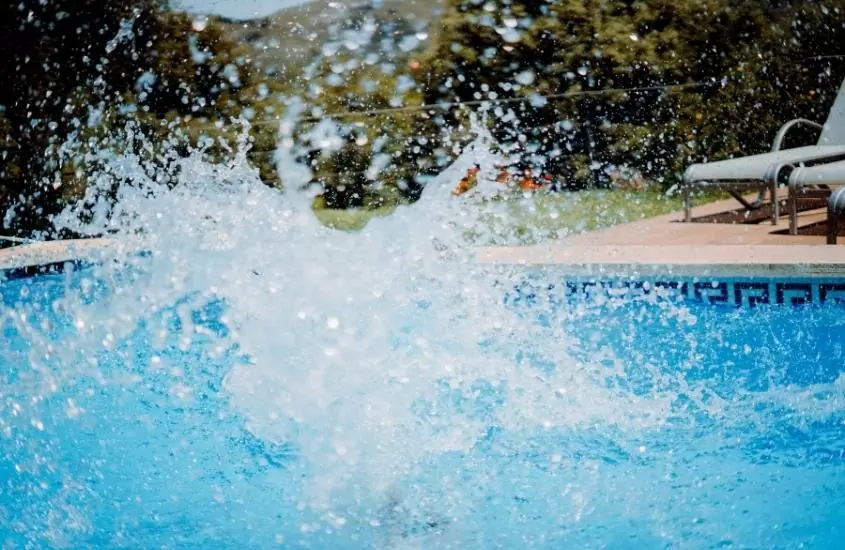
408,43
525,77
200,23
72,410
511,35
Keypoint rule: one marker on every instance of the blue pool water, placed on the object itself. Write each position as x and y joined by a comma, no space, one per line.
677,425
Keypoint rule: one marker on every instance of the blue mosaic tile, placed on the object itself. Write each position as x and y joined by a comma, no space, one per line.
751,292
43,269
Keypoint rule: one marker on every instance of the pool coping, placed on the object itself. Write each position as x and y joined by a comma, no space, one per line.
674,260
55,256
716,274
798,260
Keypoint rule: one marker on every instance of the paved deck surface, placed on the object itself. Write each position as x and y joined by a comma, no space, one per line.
662,245
53,252
665,243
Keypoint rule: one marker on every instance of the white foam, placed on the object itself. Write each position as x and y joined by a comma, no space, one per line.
352,334
368,348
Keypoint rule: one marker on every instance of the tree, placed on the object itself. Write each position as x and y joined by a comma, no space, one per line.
387,151
740,55
56,54
191,68
74,66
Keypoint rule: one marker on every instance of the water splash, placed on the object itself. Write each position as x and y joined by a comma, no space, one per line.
387,390
359,343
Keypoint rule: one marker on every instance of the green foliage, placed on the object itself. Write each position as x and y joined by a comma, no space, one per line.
517,220
53,53
83,68
79,68
383,153
746,54
192,69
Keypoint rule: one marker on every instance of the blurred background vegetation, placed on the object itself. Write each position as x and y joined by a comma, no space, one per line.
378,86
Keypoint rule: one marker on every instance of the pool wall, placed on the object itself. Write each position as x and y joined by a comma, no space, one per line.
51,257
46,257
730,291
11,274
734,284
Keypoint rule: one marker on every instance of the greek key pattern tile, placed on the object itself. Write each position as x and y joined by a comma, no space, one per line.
43,269
744,293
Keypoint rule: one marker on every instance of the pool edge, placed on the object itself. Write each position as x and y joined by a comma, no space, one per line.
55,256
674,260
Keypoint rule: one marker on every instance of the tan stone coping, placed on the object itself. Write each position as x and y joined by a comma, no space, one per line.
593,260
56,252
663,245
681,260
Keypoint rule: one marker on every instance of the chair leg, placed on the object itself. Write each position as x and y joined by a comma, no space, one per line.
775,204
833,223
687,204
792,206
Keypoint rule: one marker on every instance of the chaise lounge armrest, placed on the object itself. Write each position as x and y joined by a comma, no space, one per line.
809,182
757,168
835,214
777,143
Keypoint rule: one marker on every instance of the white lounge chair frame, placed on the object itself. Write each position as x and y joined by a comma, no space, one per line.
815,182
763,172
835,214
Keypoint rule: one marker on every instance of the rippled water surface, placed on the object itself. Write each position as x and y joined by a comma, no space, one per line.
645,425
257,379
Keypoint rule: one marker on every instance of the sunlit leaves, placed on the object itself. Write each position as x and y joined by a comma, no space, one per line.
575,46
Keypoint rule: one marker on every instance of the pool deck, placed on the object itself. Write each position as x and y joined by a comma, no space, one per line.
661,245
666,245
53,253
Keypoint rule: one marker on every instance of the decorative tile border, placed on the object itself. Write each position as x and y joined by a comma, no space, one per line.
42,269
60,264
733,291
717,291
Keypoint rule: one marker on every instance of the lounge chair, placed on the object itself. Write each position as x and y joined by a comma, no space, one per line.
763,172
835,214
812,182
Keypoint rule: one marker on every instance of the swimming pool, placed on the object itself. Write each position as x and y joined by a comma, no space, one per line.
619,423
